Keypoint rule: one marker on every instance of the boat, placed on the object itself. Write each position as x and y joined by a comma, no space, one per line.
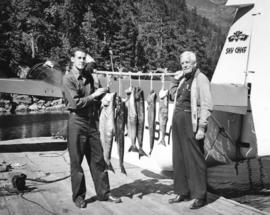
242,73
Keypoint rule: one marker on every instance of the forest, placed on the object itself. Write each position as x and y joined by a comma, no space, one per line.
139,35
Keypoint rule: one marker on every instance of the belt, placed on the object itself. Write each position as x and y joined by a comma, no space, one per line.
186,110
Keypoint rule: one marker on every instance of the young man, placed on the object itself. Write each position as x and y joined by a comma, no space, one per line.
190,90
81,96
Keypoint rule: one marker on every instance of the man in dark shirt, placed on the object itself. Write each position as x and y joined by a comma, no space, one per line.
190,90
81,94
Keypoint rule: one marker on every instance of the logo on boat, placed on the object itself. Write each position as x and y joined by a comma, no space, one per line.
238,35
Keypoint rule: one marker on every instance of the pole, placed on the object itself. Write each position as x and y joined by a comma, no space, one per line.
134,74
111,57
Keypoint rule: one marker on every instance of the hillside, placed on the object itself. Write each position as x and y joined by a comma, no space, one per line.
215,11
137,35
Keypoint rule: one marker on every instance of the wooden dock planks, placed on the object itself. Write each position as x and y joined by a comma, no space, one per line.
142,191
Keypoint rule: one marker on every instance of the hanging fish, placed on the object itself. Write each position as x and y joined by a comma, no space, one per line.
139,100
120,116
151,113
107,127
132,118
163,114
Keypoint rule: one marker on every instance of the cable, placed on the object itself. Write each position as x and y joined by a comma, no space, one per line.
47,181
21,195
53,154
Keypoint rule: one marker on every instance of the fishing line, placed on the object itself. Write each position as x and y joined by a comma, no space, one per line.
120,83
130,82
107,81
111,58
151,81
139,79
162,81
53,154
36,203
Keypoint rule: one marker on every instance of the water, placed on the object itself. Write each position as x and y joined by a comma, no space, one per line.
14,126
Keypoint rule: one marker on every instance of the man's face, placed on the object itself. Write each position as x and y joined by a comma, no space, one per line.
79,60
187,64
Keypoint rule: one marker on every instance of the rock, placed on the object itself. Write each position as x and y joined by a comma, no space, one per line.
33,107
41,102
21,108
60,107
22,99
57,102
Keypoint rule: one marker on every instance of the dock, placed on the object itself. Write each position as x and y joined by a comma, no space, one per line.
49,188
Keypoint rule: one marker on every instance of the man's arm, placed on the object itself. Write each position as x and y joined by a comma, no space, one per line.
206,104
71,94
174,84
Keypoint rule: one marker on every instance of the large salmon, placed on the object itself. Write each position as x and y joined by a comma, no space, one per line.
131,118
139,98
120,116
151,115
163,114
107,126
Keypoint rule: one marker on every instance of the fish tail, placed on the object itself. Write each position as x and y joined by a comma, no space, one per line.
151,149
123,170
141,153
109,167
162,142
151,144
133,148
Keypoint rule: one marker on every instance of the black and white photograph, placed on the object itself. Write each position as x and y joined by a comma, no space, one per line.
150,107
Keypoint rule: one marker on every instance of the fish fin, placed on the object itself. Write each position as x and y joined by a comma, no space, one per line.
109,167
123,170
133,149
162,142
142,153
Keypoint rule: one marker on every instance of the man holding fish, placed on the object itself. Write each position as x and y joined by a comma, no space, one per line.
82,94
190,90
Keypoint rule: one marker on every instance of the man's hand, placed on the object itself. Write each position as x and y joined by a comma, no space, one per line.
99,92
200,134
178,74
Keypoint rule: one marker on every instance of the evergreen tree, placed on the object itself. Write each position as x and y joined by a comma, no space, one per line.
140,33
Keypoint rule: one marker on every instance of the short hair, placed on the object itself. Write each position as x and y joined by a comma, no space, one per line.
190,55
72,51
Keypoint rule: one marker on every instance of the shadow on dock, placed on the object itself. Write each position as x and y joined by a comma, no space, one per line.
140,188
34,147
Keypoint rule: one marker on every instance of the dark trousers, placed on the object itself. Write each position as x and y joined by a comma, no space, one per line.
188,158
84,140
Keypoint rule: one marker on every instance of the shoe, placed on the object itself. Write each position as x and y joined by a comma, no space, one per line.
198,203
111,198
178,198
79,202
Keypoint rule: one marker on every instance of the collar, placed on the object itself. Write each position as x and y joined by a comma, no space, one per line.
77,75
190,75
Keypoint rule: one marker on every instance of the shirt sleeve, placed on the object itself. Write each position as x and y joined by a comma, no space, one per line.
173,89
70,92
97,83
174,84
206,104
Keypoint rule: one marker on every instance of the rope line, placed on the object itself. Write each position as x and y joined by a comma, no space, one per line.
151,73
